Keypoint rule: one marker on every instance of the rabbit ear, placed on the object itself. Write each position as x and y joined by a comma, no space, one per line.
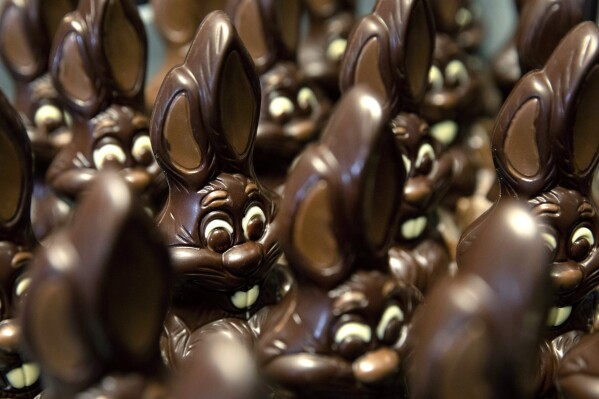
357,134
16,180
287,15
99,294
249,19
576,61
445,13
230,91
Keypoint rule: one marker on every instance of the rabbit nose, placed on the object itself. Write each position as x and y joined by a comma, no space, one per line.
138,179
566,276
417,193
376,366
10,336
243,259
302,130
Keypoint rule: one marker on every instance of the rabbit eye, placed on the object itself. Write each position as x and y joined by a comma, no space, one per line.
407,163
253,223
142,150
425,159
463,17
307,99
109,152
219,235
22,286
456,73
550,243
581,243
389,329
281,107
49,117
352,339
435,79
336,49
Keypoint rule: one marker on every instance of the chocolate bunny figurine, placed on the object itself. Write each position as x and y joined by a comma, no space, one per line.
341,331
541,26
99,292
321,51
98,68
294,109
461,20
18,374
27,29
545,151
217,220
177,22
478,335
391,51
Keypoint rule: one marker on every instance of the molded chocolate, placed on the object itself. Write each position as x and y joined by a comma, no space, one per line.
341,330
554,120
217,220
461,20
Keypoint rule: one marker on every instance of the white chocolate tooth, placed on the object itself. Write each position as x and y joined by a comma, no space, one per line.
31,372
413,228
445,131
16,378
252,296
558,316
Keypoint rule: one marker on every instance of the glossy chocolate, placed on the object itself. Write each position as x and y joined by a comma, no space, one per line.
478,335
98,296
341,330
294,109
217,220
546,153
98,67
461,20
19,375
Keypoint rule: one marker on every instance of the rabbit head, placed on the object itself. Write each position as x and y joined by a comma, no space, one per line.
18,375
27,29
461,20
98,68
391,51
98,296
293,109
545,152
321,50
217,219
342,329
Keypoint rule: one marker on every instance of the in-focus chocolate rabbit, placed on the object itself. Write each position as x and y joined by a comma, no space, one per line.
478,335
217,220
294,109
391,51
546,151
341,331
19,376
321,50
98,68
27,29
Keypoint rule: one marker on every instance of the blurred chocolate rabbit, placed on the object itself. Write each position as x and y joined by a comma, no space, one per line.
461,20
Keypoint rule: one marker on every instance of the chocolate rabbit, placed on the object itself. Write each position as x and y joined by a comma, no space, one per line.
98,68
545,152
27,29
341,330
19,375
217,220
391,51
478,335
293,109
461,20
321,50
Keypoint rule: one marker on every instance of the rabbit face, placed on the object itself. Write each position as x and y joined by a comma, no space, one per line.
429,171
351,340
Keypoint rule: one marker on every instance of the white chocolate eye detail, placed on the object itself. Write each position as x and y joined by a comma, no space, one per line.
456,73
253,213
22,286
435,79
217,224
307,99
407,163
549,240
141,147
107,152
48,114
353,330
391,313
463,17
336,49
425,149
583,232
280,106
